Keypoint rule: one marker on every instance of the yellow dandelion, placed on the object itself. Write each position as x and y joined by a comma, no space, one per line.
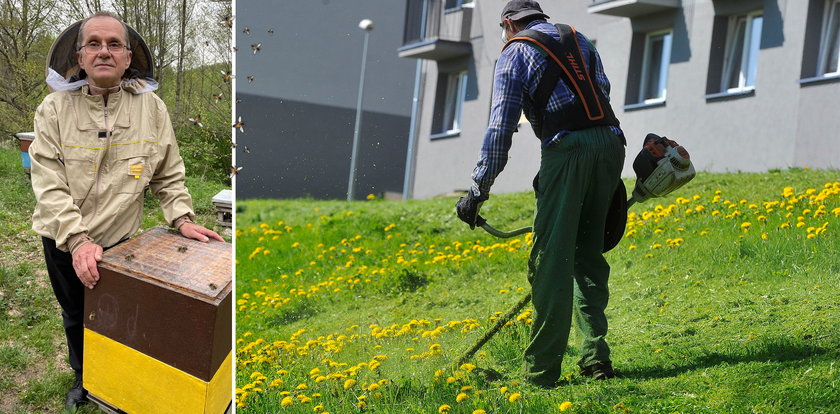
467,367
565,405
444,408
349,383
479,411
461,397
514,397
371,197
286,401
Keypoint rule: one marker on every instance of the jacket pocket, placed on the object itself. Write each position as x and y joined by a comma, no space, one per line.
80,170
133,168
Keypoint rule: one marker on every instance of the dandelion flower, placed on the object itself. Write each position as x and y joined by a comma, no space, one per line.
514,397
349,383
444,408
286,401
461,397
565,405
479,411
467,367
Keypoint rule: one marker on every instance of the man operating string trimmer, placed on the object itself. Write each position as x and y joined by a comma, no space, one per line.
555,75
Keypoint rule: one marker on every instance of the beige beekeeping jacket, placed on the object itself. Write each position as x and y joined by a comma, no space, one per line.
89,182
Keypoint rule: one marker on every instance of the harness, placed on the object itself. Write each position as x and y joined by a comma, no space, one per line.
590,107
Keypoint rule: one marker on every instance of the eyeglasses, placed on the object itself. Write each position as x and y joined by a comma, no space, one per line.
93,48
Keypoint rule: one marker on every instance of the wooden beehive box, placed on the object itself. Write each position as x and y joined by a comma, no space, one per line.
158,326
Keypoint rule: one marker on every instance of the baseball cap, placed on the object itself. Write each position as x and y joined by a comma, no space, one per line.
520,9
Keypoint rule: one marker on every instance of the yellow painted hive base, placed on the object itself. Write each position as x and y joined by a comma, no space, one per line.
138,384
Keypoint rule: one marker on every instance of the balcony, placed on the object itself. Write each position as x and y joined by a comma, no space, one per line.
437,29
631,8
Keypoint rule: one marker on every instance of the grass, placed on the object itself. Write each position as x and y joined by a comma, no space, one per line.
34,372
720,302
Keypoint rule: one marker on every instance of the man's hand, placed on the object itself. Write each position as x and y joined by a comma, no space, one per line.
467,208
194,231
84,263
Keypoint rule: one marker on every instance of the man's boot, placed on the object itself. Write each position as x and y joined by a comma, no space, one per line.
77,395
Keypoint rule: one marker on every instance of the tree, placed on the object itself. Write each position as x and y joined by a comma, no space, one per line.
26,28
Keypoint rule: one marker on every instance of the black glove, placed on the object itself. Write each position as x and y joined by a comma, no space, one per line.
467,208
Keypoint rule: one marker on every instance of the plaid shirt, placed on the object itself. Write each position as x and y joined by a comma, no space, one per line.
518,71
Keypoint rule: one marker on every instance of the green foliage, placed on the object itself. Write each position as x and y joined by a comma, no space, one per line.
720,302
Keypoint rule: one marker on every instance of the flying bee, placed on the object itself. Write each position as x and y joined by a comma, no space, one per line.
239,124
238,100
250,78
229,21
217,97
270,31
226,75
234,170
197,121
232,144
256,47
212,286
246,30
246,149
235,49
182,249
129,257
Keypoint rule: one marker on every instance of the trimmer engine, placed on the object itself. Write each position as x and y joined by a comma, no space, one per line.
661,167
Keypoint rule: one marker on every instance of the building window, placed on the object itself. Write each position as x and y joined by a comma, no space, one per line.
449,102
741,56
657,56
457,4
829,60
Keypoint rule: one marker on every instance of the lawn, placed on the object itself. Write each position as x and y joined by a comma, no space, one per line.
724,299
34,372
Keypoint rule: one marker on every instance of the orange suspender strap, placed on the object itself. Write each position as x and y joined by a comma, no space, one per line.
570,58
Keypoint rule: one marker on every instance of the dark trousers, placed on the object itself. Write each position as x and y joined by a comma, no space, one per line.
70,293
567,271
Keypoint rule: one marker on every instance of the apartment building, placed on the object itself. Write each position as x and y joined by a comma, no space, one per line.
745,85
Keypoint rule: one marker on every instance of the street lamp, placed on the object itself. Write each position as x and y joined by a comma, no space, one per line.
367,26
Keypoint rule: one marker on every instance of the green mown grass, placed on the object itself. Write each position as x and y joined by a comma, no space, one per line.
707,313
34,373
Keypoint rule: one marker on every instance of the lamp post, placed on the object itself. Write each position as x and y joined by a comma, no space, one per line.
367,26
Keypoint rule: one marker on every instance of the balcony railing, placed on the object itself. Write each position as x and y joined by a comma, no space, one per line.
631,8
434,29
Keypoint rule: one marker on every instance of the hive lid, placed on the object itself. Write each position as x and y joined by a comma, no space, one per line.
223,197
165,257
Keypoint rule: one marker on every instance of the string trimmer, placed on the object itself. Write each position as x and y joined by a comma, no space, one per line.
661,167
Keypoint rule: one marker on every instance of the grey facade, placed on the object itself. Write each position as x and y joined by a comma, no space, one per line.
299,109
780,111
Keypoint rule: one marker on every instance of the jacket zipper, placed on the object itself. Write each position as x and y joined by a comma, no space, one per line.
103,159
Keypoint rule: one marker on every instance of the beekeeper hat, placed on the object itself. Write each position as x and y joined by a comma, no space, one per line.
63,70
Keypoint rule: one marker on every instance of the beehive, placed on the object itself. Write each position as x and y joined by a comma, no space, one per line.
158,326
223,200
